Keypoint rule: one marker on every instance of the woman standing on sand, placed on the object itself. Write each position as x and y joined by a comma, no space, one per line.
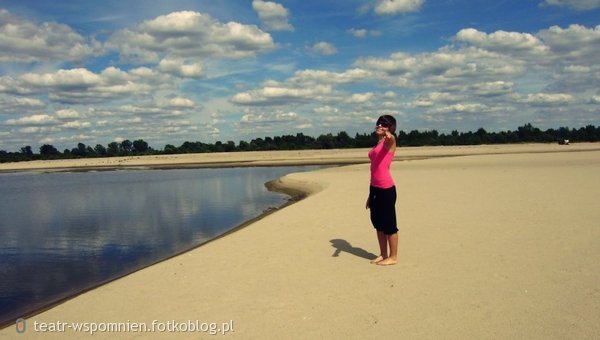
382,191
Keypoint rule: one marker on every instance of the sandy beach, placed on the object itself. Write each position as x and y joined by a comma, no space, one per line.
278,158
495,242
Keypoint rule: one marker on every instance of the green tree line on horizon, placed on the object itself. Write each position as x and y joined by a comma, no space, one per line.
524,134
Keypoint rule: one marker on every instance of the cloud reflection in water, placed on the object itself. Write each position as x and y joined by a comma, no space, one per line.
65,232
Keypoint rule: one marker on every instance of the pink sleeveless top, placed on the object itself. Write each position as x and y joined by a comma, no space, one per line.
381,159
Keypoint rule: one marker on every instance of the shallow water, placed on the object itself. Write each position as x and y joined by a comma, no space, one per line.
63,233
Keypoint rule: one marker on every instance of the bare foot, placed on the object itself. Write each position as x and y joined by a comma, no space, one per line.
387,262
377,259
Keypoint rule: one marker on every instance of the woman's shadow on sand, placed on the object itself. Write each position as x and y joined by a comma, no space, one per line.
343,245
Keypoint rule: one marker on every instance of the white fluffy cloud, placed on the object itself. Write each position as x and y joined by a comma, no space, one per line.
575,43
180,69
273,15
548,98
483,77
39,119
67,114
391,7
76,124
496,57
445,67
353,75
277,94
24,41
180,102
326,109
358,98
79,85
13,104
189,35
363,33
502,41
278,116
359,33
324,48
67,79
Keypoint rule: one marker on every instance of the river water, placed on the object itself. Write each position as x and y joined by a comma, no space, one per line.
65,232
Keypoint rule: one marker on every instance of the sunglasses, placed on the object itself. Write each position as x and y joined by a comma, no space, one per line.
382,123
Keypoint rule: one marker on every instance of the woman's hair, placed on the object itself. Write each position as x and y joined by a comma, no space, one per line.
388,121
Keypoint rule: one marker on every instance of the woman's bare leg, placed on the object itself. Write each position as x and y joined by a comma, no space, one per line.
393,258
383,243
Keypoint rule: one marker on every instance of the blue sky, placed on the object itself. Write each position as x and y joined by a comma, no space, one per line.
172,71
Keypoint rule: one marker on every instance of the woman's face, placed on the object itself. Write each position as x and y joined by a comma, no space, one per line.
381,128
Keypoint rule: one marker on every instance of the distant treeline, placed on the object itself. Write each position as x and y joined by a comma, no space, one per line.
523,134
